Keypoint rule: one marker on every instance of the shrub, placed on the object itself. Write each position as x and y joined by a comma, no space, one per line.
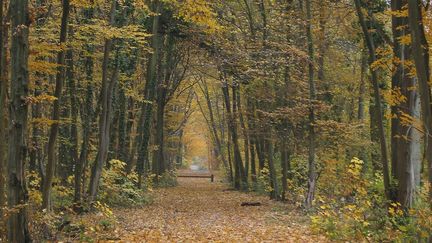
263,183
119,189
168,179
359,211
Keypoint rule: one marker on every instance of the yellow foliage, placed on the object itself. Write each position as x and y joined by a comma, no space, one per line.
41,98
398,13
83,3
198,12
405,40
385,58
42,121
394,96
104,209
34,193
43,67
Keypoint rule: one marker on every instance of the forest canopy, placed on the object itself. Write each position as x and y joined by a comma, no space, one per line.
321,105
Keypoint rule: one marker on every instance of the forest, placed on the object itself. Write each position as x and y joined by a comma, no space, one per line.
314,116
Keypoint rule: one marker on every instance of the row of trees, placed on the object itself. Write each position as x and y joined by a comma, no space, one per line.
84,82
294,82
275,54
282,85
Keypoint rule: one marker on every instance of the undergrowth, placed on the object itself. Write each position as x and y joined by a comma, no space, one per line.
356,210
65,222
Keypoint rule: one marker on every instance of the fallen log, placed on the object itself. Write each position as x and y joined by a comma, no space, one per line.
250,204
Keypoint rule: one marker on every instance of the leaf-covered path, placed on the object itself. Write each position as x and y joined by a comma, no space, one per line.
199,211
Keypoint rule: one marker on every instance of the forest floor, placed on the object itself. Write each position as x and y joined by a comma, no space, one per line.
200,211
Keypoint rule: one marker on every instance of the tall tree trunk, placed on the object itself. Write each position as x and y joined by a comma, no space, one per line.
245,134
74,102
104,119
252,137
415,152
237,155
3,108
252,159
46,192
363,154
162,91
129,127
129,150
221,117
362,91
122,126
408,169
149,95
312,96
238,165
421,58
114,125
377,98
230,163
63,165
17,191
86,117
104,133
180,150
403,136
259,144
398,148
274,194
285,167
159,163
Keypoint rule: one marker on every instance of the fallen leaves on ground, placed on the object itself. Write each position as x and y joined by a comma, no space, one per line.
200,211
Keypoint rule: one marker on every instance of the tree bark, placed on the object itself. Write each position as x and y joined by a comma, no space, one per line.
18,230
250,116
129,150
404,136
285,167
104,134
74,102
274,194
421,58
149,95
377,98
238,165
46,192
104,119
312,97
86,117
122,126
245,134
162,94
362,91
3,109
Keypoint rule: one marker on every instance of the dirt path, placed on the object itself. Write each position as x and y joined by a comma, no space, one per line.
200,211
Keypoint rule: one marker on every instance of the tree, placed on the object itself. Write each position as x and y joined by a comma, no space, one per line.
312,97
421,60
405,166
86,117
240,179
17,193
377,97
104,118
149,94
3,108
56,110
